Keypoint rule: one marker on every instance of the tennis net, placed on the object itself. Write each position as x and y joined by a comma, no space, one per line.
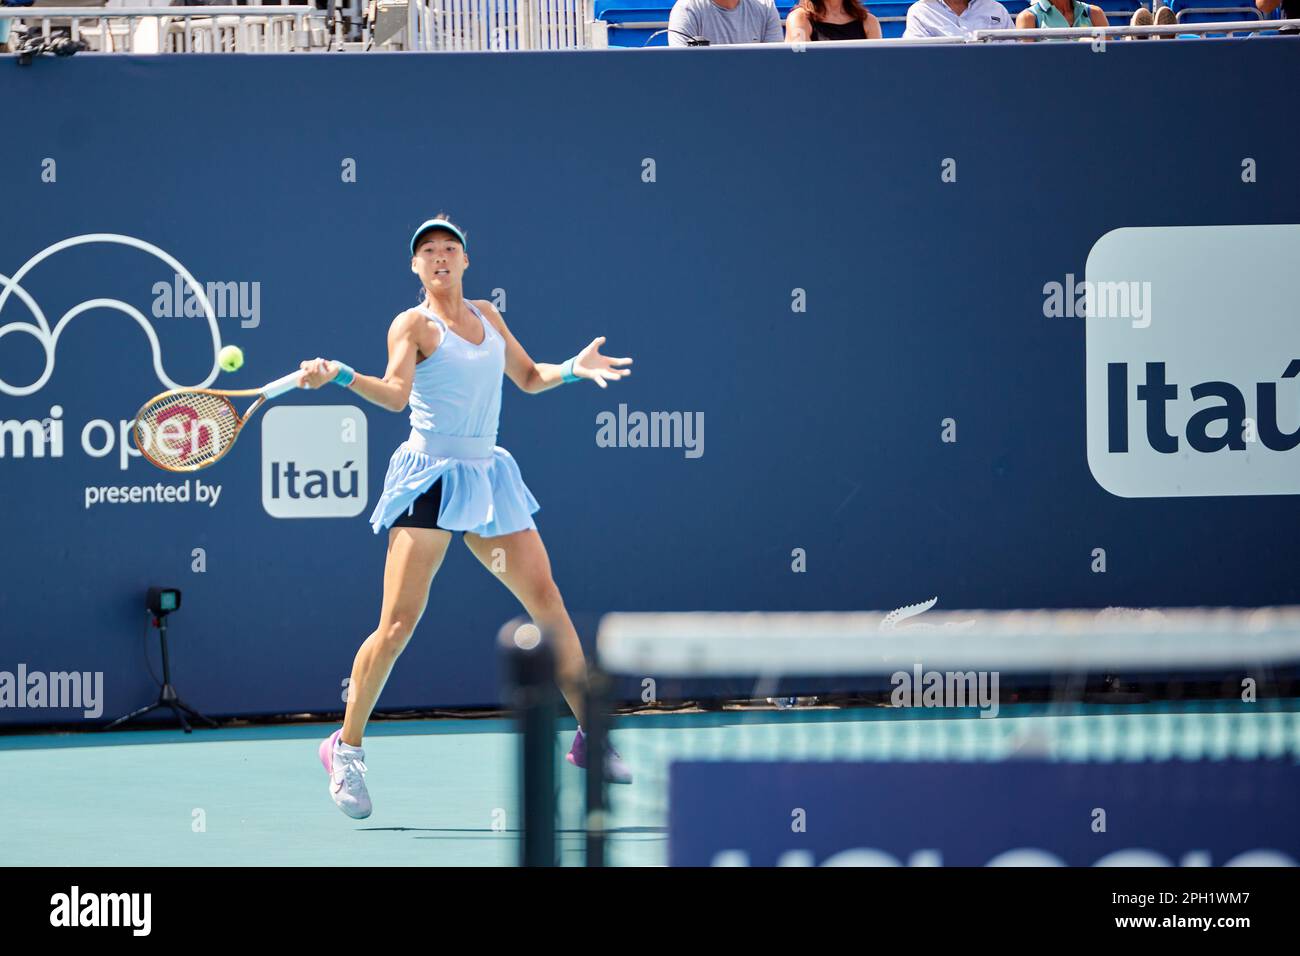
736,723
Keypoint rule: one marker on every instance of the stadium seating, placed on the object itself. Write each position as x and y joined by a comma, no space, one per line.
892,15
1216,11
460,24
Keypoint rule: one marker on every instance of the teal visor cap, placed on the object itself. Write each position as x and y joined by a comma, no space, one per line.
431,224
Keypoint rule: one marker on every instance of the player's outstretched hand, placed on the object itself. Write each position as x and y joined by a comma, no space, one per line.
601,369
317,372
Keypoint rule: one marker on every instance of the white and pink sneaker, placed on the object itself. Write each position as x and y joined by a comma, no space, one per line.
616,771
347,769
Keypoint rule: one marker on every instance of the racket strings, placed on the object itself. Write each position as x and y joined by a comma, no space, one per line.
183,431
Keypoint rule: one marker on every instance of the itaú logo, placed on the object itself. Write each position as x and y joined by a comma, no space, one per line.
314,461
1219,424
1204,399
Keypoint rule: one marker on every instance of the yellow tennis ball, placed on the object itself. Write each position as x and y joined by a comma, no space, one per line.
230,358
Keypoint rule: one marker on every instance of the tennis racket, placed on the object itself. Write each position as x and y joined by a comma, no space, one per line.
186,429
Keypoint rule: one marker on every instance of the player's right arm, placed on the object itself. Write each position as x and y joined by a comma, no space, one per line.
408,336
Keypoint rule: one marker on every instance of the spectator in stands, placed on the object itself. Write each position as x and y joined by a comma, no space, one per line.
6,25
1290,9
955,18
831,20
1055,14
1142,17
724,21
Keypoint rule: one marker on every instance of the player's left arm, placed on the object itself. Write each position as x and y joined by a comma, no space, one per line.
534,377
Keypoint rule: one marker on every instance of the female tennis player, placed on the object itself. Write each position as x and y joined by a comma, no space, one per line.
446,358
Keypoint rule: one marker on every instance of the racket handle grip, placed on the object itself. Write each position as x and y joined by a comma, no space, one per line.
282,385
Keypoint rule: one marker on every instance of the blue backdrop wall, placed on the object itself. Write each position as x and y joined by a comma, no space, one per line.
773,171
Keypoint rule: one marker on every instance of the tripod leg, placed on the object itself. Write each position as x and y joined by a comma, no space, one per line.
195,714
134,714
180,715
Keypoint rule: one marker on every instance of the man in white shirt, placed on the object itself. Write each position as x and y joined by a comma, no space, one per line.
955,18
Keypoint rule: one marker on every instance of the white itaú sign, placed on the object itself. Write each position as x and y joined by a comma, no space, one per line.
1204,398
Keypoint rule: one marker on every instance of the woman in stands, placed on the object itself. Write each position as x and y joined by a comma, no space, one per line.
1052,14
830,20
446,358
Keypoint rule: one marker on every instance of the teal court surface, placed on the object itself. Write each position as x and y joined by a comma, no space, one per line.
445,791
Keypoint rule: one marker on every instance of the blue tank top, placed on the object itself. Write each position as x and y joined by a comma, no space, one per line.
457,389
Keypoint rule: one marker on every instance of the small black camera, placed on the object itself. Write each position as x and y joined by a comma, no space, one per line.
162,601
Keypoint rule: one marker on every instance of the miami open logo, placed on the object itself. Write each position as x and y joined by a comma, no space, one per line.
42,436
37,325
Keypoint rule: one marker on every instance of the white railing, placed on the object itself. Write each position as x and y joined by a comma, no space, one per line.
453,25
232,29
1088,33
503,25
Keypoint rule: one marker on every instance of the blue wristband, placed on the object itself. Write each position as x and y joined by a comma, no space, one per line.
566,372
344,376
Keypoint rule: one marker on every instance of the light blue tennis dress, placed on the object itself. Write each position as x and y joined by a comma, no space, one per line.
455,409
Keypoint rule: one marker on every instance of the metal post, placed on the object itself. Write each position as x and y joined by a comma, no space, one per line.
596,721
529,665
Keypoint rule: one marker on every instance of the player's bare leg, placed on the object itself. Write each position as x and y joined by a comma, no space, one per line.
521,562
414,556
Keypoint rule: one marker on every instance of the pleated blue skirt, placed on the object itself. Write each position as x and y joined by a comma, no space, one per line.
482,489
